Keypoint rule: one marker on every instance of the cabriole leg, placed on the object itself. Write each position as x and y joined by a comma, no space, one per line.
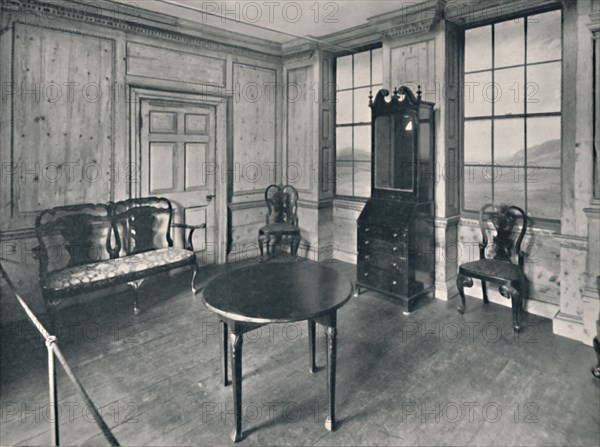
461,282
261,241
194,274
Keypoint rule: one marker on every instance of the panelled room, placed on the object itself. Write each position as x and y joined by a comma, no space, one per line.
300,222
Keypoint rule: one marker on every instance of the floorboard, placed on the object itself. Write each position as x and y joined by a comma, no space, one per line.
431,378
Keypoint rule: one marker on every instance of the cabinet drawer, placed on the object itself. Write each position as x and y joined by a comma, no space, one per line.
390,281
383,233
378,245
382,260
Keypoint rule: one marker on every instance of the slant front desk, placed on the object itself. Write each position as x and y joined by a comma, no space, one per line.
396,242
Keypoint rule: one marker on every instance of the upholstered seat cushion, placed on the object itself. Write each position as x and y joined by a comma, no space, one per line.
282,228
123,269
492,269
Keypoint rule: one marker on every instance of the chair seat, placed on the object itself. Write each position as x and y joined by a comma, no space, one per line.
282,228
123,269
491,269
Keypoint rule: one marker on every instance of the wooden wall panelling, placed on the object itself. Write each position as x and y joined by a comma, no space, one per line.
63,120
167,63
254,128
414,64
299,128
453,111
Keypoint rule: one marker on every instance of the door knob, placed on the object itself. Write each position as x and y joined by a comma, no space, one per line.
209,197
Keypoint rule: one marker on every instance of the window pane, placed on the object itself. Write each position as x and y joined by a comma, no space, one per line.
362,143
543,141
509,40
362,111
509,185
343,72
509,141
343,178
343,143
478,187
509,91
544,37
377,64
343,107
362,69
543,193
478,141
478,94
362,179
478,48
543,88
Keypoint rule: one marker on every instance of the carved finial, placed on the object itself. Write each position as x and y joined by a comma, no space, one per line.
370,98
395,91
419,92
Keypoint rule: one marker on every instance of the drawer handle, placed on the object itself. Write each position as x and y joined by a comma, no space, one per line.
367,257
367,242
394,264
367,230
395,249
395,234
394,282
366,274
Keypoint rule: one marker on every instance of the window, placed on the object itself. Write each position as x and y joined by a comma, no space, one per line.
512,115
356,75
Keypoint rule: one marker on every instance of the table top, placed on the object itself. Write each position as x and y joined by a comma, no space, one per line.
277,292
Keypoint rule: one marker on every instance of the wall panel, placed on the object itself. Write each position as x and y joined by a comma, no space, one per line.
63,118
254,128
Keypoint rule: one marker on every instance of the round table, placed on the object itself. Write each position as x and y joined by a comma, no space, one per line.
249,297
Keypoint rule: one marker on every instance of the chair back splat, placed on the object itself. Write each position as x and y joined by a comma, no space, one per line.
281,218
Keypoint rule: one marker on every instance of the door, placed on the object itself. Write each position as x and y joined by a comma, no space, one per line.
177,144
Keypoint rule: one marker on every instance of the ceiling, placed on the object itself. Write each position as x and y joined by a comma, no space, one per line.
277,21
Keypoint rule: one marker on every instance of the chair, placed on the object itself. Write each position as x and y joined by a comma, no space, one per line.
282,218
499,266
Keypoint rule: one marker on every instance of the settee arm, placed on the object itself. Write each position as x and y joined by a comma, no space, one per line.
189,245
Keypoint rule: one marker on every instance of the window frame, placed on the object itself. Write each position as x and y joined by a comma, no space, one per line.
542,222
351,125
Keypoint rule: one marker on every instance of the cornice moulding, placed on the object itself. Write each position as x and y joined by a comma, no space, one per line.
107,14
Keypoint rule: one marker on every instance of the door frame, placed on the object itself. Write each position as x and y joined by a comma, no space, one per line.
135,97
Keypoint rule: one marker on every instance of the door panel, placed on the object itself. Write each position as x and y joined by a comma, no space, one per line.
177,142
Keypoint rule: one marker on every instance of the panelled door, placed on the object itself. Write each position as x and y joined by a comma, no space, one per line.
177,145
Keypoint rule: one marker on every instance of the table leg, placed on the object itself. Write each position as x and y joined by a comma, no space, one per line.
236,364
224,342
331,354
311,345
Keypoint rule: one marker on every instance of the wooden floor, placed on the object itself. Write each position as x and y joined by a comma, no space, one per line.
432,378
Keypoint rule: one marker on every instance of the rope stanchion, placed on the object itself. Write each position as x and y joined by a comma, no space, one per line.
54,350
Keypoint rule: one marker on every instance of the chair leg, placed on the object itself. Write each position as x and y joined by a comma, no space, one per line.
514,291
268,241
194,267
461,282
135,286
517,301
295,245
484,289
261,241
